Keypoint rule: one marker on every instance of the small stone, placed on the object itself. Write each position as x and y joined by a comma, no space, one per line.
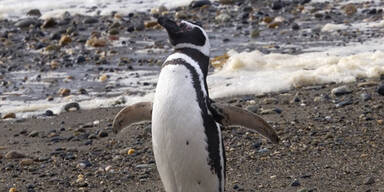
113,31
83,91
65,40
54,64
199,3
303,190
72,107
64,92
12,189
80,59
380,121
277,5
365,96
380,89
26,162
349,9
103,78
263,150
33,134
24,23
223,17
9,116
96,42
34,13
49,113
344,103
253,108
342,90
270,100
369,181
108,168
255,33
270,111
83,164
51,22
295,183
143,166
131,151
367,84
102,134
295,26
150,24
90,20
80,178
14,155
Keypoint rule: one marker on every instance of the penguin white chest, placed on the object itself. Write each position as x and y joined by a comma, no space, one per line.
179,140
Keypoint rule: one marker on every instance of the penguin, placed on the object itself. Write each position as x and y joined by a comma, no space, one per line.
186,124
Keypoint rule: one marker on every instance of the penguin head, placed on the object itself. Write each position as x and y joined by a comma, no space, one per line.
186,35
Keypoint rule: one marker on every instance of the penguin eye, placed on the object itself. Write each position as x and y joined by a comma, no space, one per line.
184,27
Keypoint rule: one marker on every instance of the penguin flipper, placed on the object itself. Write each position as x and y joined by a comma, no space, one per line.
137,112
230,115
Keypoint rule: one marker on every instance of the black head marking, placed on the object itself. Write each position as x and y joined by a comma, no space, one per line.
183,32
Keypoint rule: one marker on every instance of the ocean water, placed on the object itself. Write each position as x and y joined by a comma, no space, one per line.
247,72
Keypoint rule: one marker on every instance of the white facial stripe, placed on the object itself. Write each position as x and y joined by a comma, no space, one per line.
194,64
204,49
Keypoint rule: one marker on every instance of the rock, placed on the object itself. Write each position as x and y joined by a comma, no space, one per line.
102,134
367,84
131,151
199,3
113,31
54,64
295,183
9,116
295,26
277,5
227,2
96,42
270,111
14,155
263,150
103,78
303,190
150,24
255,33
270,100
380,89
253,108
80,59
51,22
64,92
34,13
365,96
65,40
91,20
83,91
349,9
24,23
344,103
72,106
342,90
369,181
33,134
26,162
12,189
83,164
143,166
223,17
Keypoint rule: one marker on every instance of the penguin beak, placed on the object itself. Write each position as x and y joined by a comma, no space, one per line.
169,25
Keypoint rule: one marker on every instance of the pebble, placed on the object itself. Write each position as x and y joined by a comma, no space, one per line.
103,78
199,3
263,150
367,84
33,134
34,13
131,151
350,9
96,42
222,18
24,23
295,183
277,5
26,162
303,190
64,92
253,108
369,181
14,155
12,189
295,26
344,103
65,40
342,90
143,166
49,113
365,96
270,111
51,22
102,134
90,20
270,100
9,116
380,89
72,106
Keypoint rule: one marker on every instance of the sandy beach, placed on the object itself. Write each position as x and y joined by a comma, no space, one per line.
331,133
